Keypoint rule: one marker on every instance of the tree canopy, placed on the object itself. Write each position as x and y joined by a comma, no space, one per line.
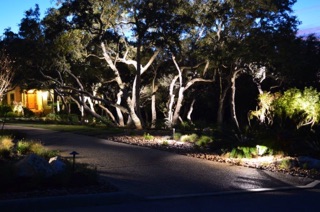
139,63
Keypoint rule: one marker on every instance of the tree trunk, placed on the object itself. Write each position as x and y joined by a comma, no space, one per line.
171,101
175,117
233,99
138,83
135,119
190,110
118,111
222,96
153,111
109,113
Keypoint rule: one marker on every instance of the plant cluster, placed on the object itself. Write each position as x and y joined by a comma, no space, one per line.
148,137
11,152
302,107
199,141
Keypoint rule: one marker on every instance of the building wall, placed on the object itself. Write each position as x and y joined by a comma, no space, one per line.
39,101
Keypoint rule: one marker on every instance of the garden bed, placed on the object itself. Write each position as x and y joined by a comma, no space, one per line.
277,163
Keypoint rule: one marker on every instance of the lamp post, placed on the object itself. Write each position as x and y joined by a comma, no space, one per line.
173,132
73,153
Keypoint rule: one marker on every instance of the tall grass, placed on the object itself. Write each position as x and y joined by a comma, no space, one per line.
6,145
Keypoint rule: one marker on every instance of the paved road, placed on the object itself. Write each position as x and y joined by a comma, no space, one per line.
163,178
153,173
292,200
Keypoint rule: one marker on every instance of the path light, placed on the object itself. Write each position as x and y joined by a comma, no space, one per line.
173,132
73,153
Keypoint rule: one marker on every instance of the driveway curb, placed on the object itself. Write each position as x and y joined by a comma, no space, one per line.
64,202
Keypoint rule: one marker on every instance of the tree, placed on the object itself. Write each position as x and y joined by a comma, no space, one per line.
241,33
127,33
6,74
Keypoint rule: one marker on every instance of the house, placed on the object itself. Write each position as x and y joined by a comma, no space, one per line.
38,101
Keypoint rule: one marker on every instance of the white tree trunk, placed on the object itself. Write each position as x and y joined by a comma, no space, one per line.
153,111
109,114
190,110
133,115
175,117
118,111
171,101
233,99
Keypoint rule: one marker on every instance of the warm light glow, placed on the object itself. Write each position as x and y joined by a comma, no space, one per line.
31,91
45,95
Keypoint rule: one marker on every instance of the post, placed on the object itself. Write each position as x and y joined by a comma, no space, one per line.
173,132
73,153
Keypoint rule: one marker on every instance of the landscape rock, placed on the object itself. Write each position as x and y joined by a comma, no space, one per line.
311,163
33,165
57,165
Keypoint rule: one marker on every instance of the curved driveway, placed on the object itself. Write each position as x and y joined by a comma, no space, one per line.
156,174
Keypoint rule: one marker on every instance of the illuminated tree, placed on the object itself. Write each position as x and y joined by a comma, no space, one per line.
6,74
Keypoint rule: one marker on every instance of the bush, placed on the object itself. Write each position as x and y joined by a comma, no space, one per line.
147,136
4,109
27,147
37,148
185,126
6,145
204,141
53,117
243,152
28,113
6,142
177,136
23,147
189,138
12,114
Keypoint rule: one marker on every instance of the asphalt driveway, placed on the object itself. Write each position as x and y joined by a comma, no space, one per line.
155,174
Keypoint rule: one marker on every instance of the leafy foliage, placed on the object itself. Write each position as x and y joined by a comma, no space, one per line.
243,152
301,106
204,141
147,136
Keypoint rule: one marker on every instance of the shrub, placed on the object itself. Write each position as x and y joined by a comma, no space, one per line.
204,140
243,152
286,164
6,142
12,114
28,113
37,148
4,109
185,126
165,143
302,107
177,136
23,147
147,136
53,117
26,147
189,138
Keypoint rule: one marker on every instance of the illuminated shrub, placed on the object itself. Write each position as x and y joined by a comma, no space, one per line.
300,106
303,107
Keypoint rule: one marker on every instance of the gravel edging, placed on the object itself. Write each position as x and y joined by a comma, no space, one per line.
272,164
